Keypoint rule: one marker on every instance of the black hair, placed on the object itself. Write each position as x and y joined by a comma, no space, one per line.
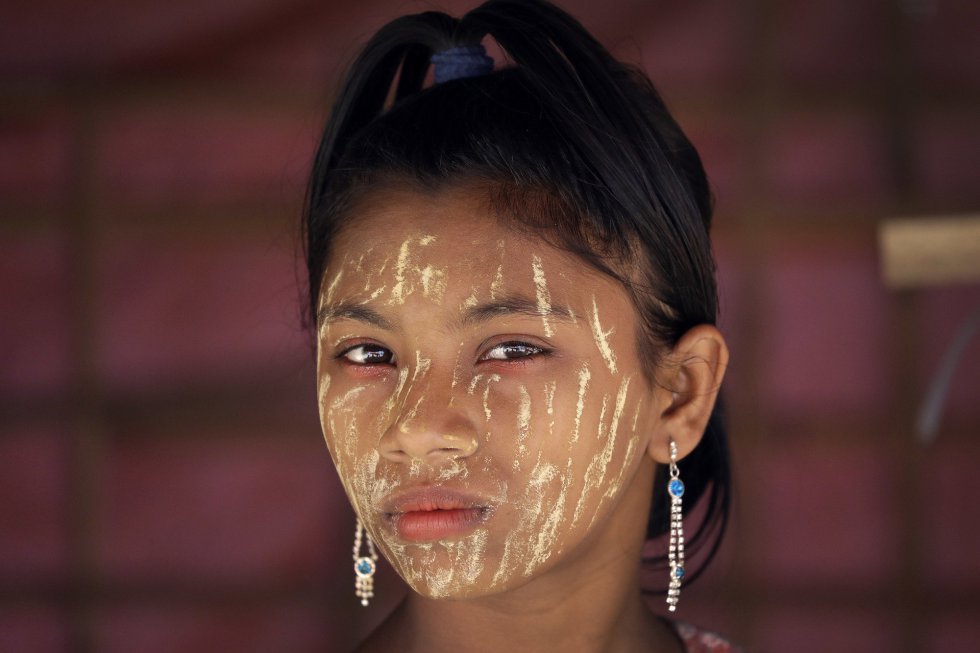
571,145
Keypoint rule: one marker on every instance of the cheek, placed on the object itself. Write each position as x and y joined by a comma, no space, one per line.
582,452
585,423
340,417
348,417
354,419
611,460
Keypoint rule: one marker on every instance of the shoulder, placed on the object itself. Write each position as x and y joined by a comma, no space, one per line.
702,641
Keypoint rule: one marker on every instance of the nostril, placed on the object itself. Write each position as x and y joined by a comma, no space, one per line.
422,438
397,455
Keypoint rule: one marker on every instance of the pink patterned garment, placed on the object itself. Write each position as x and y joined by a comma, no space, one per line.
703,641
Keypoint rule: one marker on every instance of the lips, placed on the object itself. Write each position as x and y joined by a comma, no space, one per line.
434,513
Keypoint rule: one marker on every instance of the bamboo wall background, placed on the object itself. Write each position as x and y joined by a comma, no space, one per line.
163,482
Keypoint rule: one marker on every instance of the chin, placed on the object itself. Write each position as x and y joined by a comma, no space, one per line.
445,569
448,582
441,592
454,584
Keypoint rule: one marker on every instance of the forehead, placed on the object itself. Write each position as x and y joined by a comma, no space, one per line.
446,260
454,229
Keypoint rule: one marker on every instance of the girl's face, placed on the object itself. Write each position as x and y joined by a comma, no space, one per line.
481,396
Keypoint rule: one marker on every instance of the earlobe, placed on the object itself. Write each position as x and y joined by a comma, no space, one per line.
689,382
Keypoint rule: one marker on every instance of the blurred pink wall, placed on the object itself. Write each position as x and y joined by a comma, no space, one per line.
163,482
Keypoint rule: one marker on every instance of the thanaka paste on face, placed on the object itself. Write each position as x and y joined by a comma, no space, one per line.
544,508
422,366
613,489
549,398
546,540
535,542
599,467
371,291
432,279
523,426
450,568
332,287
422,565
456,372
602,338
398,290
385,414
433,282
487,413
543,296
583,385
474,381
470,301
341,406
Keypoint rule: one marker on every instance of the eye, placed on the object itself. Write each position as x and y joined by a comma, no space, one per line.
512,350
367,354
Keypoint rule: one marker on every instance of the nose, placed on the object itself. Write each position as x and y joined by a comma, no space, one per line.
430,428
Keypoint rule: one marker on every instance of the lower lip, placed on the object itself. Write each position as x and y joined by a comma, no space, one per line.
430,525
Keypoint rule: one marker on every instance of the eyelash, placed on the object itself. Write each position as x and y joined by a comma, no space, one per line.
515,344
367,349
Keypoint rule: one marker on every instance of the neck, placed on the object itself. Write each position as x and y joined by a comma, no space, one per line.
539,618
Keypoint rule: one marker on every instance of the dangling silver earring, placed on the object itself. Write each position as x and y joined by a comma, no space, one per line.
364,566
675,551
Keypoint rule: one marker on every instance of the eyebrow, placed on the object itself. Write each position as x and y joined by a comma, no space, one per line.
509,305
514,304
352,311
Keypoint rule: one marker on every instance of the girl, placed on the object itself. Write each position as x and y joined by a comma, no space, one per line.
513,295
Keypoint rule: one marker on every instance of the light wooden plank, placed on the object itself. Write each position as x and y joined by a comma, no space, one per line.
928,251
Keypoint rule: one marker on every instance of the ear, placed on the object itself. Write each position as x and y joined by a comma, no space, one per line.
689,380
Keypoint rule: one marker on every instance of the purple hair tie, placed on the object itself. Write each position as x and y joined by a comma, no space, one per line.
461,62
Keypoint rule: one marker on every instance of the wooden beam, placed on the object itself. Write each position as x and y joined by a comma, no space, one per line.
929,251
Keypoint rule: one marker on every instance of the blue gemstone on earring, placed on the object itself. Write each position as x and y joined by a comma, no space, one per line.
676,487
678,572
364,566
